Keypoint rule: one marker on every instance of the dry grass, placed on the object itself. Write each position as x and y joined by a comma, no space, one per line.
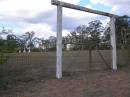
33,75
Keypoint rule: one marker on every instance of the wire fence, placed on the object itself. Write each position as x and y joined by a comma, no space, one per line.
36,65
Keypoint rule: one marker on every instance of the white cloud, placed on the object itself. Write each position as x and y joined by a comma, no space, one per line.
71,1
89,6
105,21
26,13
41,30
114,9
118,6
95,1
65,32
24,8
73,13
78,14
40,16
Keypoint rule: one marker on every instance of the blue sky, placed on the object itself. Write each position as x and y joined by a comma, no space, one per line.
84,2
40,16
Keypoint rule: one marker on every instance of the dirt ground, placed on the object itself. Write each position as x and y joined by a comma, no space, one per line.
38,79
81,84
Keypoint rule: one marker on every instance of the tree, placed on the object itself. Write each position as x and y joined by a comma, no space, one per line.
30,36
122,30
22,40
86,36
12,44
45,44
95,28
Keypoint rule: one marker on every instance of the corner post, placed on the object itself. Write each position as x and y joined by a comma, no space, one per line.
113,42
59,43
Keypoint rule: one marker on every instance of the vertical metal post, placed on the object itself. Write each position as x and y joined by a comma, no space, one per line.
113,43
59,43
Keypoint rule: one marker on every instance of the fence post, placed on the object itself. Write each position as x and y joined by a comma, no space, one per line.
59,43
113,42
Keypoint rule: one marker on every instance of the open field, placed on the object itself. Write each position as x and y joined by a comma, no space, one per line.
33,75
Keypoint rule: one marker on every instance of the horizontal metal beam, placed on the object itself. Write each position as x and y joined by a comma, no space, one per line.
77,7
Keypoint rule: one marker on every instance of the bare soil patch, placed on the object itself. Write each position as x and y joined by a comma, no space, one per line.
92,84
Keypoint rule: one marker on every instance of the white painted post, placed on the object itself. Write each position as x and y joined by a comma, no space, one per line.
59,43
113,43
29,50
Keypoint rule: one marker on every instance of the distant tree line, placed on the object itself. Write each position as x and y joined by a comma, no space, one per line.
10,43
91,36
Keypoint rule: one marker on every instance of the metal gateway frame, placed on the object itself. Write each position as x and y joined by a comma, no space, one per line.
59,5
